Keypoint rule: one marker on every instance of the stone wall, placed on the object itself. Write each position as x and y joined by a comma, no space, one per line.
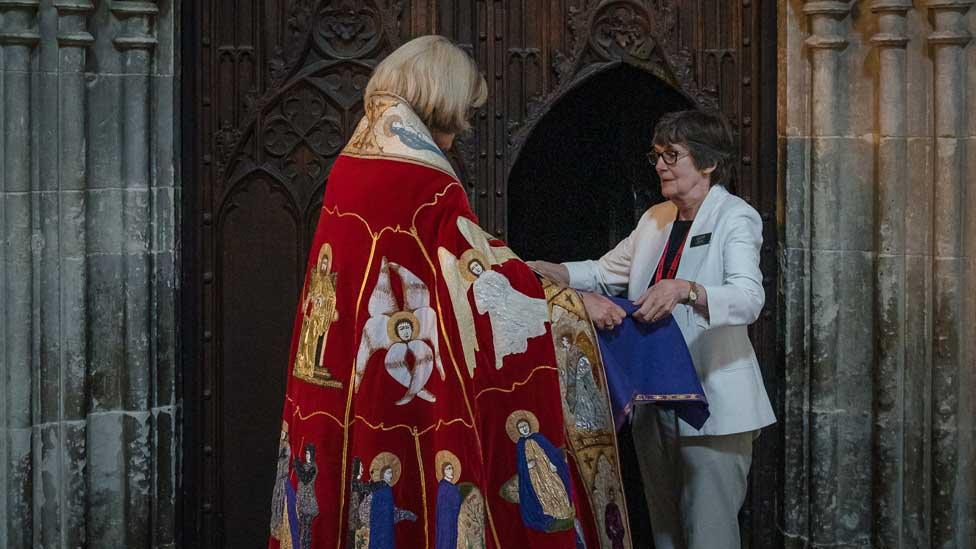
877,145
88,203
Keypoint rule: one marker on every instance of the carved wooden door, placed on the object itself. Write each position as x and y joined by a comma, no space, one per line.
272,90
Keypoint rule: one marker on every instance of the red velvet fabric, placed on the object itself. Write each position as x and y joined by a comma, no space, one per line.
405,212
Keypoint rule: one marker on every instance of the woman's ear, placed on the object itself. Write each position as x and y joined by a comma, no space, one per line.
709,170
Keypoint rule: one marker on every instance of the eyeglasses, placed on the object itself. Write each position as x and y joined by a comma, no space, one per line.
669,156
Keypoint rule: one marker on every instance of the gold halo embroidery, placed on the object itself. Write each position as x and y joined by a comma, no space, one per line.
381,462
511,424
388,124
445,457
469,257
398,317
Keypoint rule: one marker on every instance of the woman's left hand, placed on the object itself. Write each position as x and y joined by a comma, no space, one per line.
660,299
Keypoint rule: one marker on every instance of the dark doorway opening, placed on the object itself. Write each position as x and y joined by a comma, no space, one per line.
589,153
580,185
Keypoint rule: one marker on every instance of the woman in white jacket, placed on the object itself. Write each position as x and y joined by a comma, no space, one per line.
696,257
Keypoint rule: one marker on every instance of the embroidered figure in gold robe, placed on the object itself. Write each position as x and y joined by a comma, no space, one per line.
399,332
319,311
515,317
542,486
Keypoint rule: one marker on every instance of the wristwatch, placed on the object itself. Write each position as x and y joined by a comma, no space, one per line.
692,293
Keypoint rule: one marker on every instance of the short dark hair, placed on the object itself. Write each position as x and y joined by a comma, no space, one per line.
708,138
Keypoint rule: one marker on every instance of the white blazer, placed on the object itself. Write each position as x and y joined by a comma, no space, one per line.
728,267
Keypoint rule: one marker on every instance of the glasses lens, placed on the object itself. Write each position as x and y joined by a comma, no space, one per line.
652,158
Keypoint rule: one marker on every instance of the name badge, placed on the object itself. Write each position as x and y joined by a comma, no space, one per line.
701,240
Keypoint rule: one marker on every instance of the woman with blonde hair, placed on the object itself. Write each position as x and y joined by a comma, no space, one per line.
409,367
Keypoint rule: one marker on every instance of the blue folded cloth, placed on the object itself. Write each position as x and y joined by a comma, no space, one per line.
651,363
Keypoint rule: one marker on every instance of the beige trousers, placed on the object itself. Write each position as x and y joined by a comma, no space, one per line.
694,486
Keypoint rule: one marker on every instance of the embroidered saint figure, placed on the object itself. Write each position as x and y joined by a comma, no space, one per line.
306,506
515,317
589,402
403,334
358,490
318,309
613,522
460,509
541,487
606,504
280,525
566,353
377,512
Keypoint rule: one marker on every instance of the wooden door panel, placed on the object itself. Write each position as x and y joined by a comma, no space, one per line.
273,89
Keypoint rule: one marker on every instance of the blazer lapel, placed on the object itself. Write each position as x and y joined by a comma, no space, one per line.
691,258
652,246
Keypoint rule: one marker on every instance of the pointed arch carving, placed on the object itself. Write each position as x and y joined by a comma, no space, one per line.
607,33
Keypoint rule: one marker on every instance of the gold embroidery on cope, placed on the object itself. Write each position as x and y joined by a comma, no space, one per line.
375,235
319,311
391,130
587,418
401,332
515,317
542,474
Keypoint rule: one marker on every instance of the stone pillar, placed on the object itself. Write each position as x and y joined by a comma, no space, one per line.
59,423
876,220
889,372
842,254
947,40
19,36
88,281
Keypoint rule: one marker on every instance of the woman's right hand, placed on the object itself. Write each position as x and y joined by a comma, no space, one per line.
556,272
605,314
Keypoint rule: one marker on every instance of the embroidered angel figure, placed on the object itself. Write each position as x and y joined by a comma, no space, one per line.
399,332
515,317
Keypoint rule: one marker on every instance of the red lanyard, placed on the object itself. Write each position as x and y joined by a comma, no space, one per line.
673,267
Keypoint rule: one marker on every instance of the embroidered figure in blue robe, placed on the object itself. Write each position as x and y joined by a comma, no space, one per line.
306,505
378,510
448,509
291,508
460,507
542,486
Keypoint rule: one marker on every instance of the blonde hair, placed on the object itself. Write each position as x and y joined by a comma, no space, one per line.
438,79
